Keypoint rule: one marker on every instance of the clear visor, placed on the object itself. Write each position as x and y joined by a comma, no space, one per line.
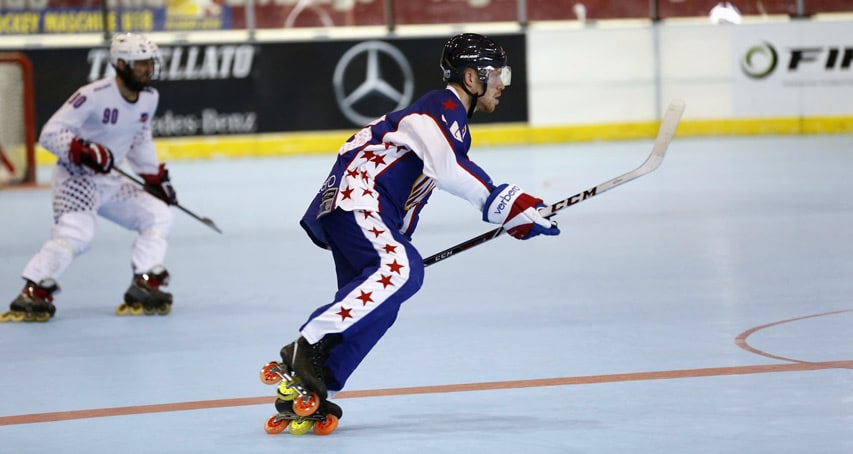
503,74
154,63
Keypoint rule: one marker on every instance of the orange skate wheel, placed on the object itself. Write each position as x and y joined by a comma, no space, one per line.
327,426
305,406
267,376
275,425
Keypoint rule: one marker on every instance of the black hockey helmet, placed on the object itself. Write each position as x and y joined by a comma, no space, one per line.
470,50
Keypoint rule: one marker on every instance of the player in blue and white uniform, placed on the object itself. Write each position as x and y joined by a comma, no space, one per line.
101,125
368,208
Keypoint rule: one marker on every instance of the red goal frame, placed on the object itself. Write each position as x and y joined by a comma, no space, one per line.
28,108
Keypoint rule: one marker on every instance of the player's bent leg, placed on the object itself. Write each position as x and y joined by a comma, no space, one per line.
386,271
71,235
136,210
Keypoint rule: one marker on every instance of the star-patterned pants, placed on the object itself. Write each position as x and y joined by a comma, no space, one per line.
377,270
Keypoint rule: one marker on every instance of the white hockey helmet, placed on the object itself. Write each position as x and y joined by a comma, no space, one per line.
132,47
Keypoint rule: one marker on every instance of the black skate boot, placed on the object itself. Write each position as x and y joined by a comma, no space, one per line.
144,295
307,361
34,304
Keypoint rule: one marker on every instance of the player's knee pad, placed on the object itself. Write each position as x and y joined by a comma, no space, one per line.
159,222
74,231
153,234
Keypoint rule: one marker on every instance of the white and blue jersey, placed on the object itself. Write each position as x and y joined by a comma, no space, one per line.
367,210
392,165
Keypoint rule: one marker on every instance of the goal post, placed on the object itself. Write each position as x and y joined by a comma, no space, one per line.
17,120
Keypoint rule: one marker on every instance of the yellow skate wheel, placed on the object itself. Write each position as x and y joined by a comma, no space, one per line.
13,316
305,406
326,426
286,391
268,377
164,310
300,428
136,309
275,425
41,317
122,309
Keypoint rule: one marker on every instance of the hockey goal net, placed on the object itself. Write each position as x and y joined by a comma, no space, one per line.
17,120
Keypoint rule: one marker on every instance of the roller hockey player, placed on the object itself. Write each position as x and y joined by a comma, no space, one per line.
368,208
101,125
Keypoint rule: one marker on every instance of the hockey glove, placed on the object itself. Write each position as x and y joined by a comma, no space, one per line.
90,154
517,211
160,185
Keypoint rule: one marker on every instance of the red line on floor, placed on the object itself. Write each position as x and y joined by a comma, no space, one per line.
513,384
741,342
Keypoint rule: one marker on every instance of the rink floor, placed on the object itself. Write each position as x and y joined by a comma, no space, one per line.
703,308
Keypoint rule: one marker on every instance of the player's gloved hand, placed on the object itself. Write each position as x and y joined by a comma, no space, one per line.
517,211
91,154
160,185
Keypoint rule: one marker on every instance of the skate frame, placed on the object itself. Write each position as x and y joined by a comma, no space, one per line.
206,221
665,134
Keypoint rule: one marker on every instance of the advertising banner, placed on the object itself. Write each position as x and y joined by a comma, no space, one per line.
213,89
90,20
793,69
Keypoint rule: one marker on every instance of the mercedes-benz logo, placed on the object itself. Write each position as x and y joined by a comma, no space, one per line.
356,105
759,61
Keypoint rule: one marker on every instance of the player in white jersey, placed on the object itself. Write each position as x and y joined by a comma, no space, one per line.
101,125
368,207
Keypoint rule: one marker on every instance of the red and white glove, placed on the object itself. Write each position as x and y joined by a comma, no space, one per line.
517,211
160,185
90,154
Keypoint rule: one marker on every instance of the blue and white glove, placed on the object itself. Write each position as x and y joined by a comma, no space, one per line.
518,212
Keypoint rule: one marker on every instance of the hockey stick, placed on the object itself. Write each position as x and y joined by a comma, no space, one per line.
653,161
206,221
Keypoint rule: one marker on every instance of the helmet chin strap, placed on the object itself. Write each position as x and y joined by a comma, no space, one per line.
474,97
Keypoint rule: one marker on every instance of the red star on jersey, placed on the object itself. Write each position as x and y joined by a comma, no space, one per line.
352,173
365,297
366,213
377,232
390,249
344,313
368,155
395,267
347,193
367,192
364,175
378,161
385,281
449,105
